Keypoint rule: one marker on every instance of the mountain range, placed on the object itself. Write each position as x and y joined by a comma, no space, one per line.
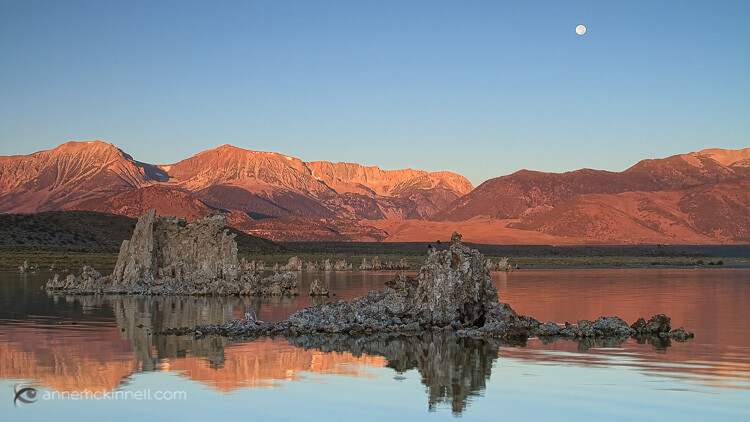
700,197
263,184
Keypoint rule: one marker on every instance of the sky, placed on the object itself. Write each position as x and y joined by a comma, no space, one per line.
481,88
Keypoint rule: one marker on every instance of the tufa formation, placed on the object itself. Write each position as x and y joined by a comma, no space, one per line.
452,292
171,256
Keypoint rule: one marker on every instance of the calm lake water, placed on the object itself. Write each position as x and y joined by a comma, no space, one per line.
63,345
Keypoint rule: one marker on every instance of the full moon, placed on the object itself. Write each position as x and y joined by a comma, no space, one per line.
580,29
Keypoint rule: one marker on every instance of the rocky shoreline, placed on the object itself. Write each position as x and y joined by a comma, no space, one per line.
453,292
515,329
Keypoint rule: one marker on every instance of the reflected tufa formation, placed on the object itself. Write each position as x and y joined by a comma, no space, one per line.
453,368
171,256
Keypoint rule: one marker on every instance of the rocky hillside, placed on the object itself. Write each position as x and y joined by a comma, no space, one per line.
563,203
89,175
272,184
73,172
135,203
306,229
709,213
525,193
66,229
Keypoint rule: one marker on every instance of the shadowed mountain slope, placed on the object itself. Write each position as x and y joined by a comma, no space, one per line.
525,192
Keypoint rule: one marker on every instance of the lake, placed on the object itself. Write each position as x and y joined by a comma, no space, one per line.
106,350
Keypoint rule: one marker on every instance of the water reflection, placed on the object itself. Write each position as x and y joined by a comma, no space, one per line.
264,362
85,356
452,368
97,342
138,318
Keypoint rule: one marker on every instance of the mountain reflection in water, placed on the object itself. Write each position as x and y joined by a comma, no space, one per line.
39,342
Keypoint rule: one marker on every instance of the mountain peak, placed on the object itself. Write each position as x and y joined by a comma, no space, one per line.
78,146
725,157
240,153
72,172
227,147
88,150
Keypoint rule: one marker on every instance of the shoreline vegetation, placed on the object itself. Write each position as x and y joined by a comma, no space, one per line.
58,258
68,240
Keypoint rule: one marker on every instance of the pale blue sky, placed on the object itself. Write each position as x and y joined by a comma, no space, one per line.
482,88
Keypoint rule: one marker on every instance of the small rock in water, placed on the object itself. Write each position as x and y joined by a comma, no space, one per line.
679,335
657,324
318,288
548,329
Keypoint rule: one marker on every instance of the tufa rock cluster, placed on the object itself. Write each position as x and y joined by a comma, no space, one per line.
319,288
171,256
454,292
453,287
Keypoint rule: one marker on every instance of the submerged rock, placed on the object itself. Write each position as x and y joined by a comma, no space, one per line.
170,256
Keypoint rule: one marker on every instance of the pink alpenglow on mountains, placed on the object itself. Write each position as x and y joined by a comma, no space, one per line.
701,197
74,171
279,185
264,184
